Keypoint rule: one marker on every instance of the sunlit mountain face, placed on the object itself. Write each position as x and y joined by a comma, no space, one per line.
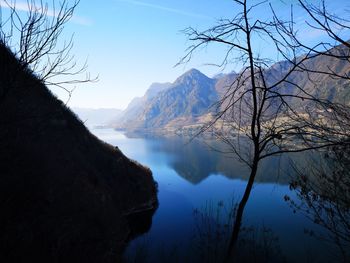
191,99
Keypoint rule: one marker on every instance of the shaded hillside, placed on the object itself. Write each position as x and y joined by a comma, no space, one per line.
65,196
188,102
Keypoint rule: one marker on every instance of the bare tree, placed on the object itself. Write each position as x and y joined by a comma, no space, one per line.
33,33
266,111
323,191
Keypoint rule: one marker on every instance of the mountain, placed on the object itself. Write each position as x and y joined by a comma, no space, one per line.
96,117
189,97
155,88
189,102
65,196
180,103
323,85
137,106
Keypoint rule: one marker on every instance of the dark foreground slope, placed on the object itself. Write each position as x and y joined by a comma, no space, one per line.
65,196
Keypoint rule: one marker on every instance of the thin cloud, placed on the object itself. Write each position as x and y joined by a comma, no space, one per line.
25,7
166,9
83,21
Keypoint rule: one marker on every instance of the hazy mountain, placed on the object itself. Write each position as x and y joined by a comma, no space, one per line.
97,117
189,100
223,75
219,76
138,105
155,88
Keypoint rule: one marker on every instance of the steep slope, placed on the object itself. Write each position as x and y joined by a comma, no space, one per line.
64,195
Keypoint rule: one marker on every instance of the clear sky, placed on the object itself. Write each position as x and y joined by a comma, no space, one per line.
130,44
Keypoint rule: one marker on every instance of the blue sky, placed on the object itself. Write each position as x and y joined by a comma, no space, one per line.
130,44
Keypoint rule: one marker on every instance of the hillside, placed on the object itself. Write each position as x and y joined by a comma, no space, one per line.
189,102
65,196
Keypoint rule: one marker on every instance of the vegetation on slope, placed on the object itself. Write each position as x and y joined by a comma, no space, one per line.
65,195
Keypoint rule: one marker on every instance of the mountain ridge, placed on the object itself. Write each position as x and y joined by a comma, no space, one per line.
190,101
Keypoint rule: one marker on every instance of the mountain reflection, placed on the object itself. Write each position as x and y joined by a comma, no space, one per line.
196,160
271,231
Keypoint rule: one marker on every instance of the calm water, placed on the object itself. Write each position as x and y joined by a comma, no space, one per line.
192,177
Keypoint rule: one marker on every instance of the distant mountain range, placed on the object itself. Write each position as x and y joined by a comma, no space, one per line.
97,117
188,102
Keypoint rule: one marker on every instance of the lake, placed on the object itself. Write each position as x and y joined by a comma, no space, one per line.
197,189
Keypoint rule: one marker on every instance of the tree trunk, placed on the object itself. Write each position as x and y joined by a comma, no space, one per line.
237,224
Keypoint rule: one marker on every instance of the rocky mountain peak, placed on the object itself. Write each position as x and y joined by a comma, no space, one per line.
191,75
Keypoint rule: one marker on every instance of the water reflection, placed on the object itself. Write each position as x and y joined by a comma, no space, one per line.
212,227
197,160
191,176
323,190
